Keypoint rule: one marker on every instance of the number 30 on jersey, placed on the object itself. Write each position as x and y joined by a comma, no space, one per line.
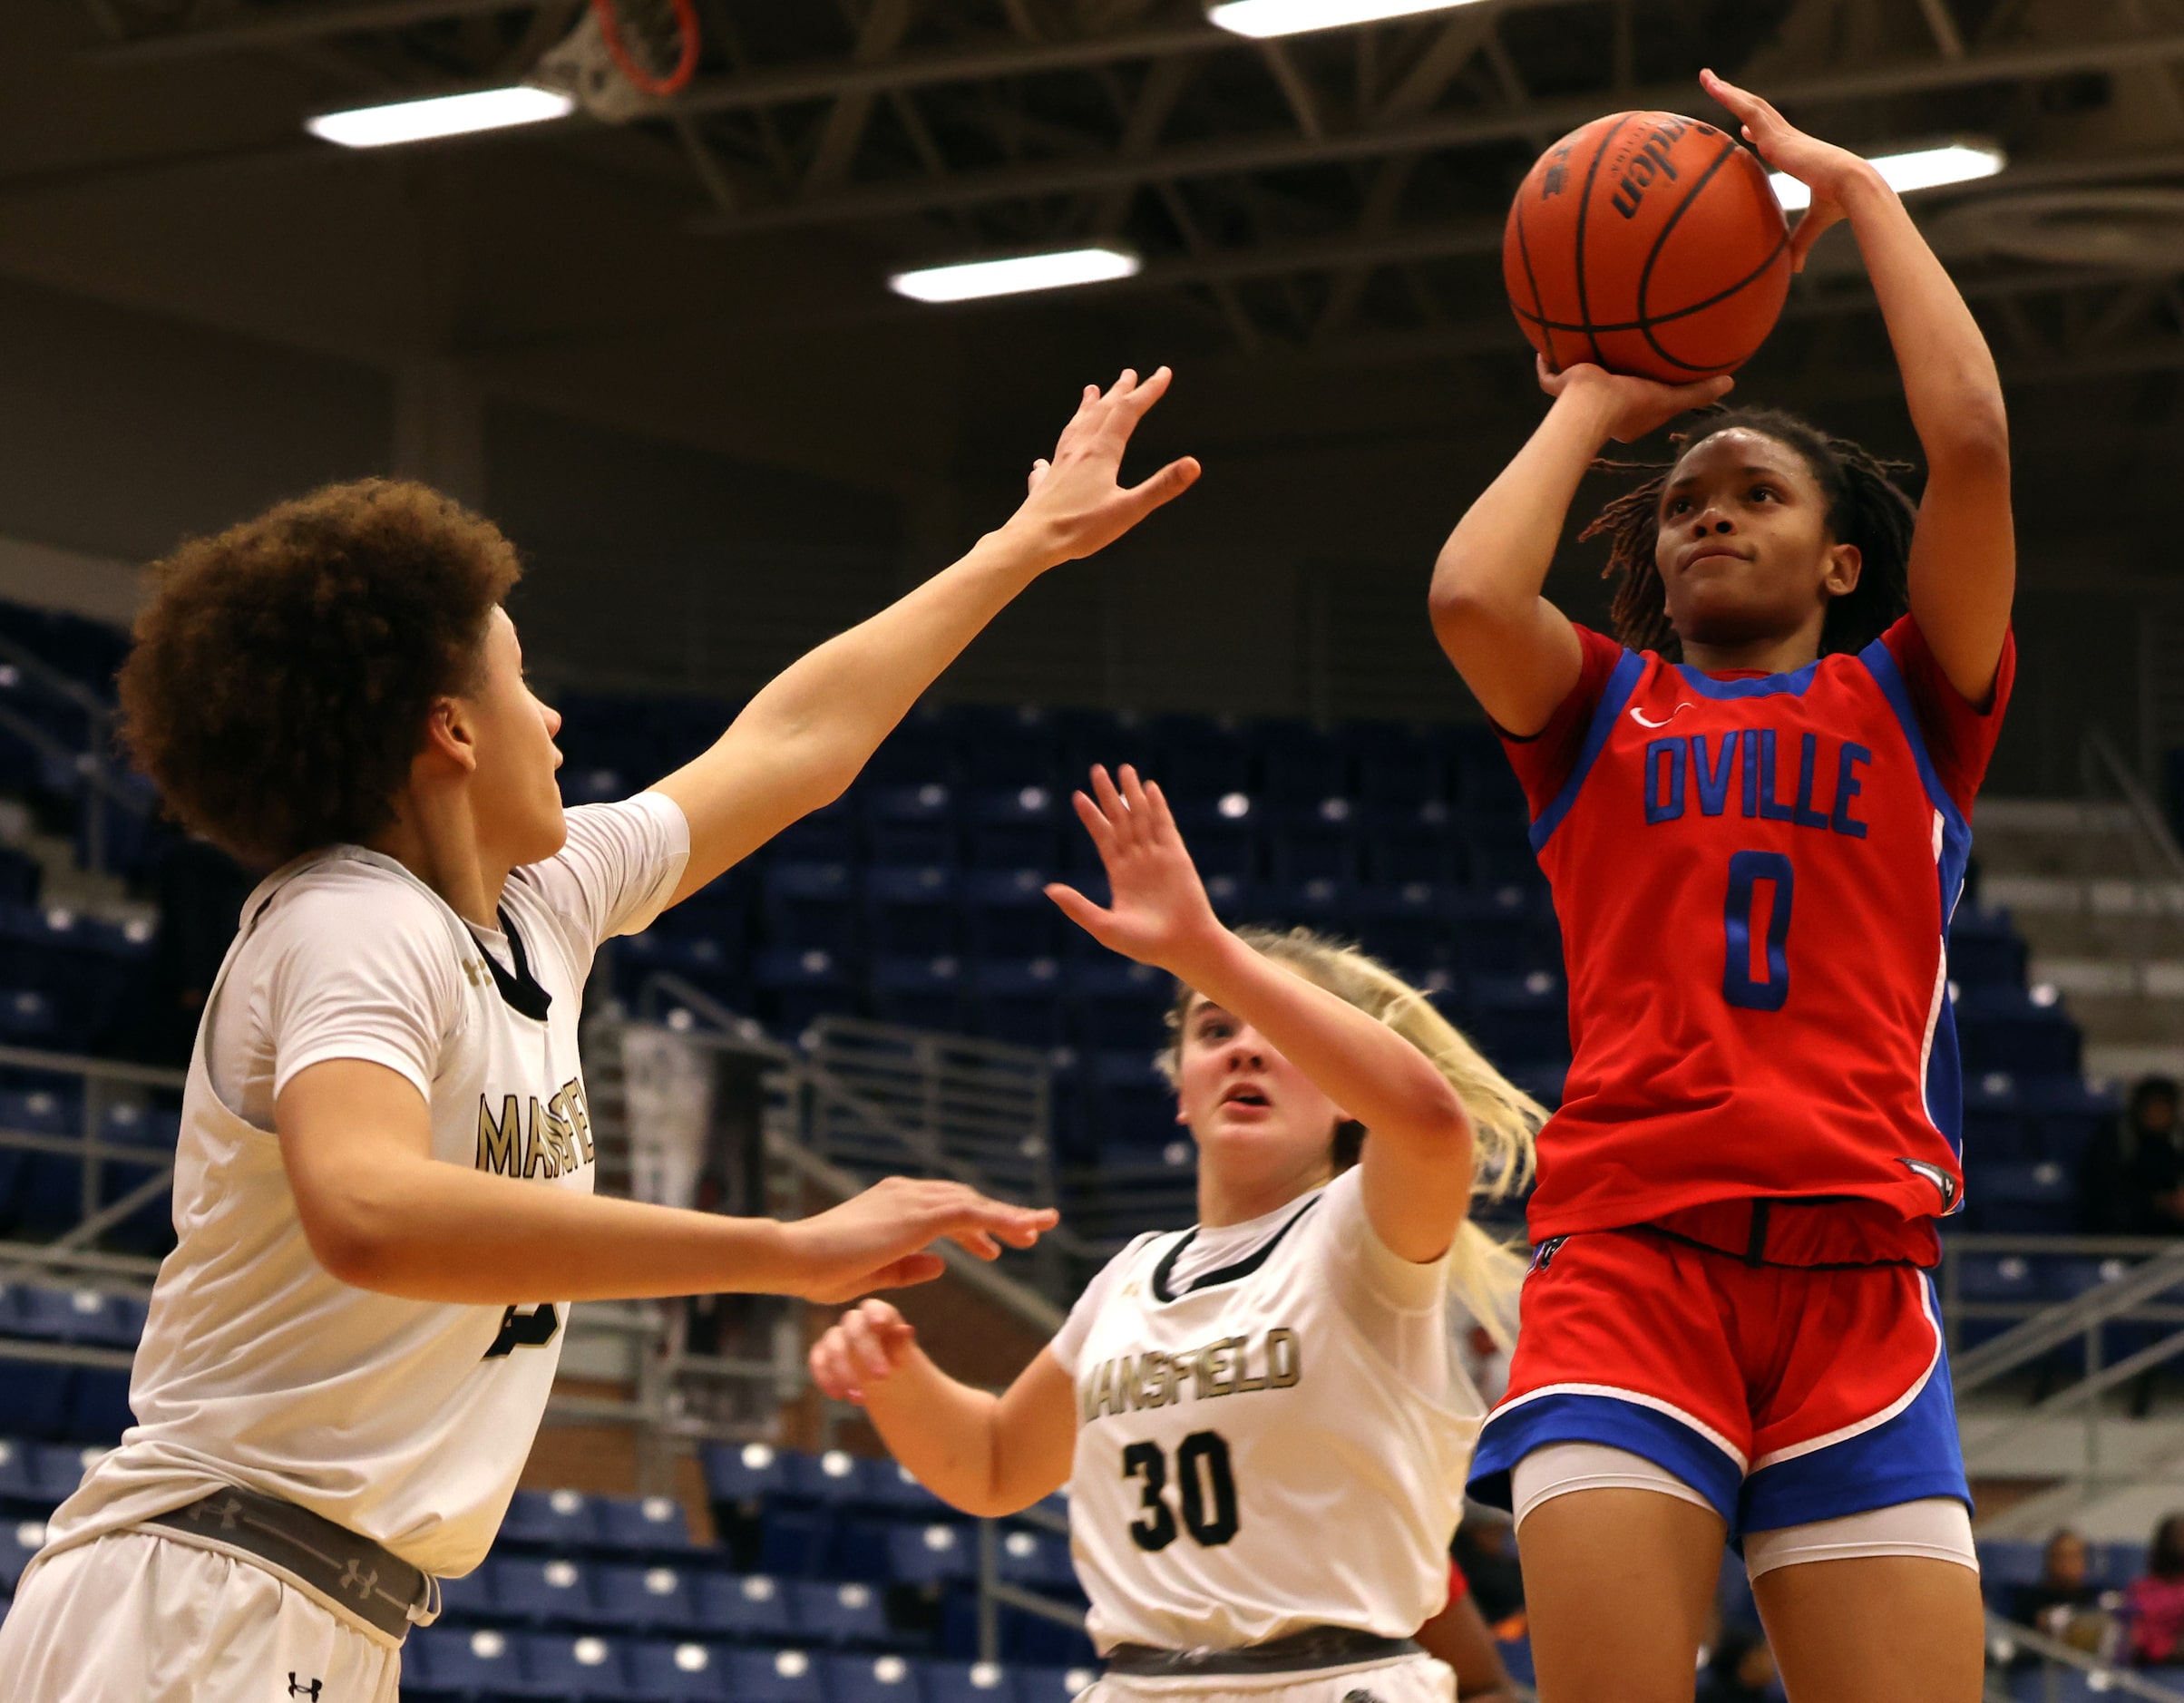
1206,1489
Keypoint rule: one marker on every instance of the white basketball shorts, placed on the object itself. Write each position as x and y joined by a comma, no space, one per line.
1407,1679
134,1618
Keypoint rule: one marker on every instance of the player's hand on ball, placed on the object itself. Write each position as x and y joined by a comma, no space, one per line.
1821,167
882,1237
1641,405
862,1348
1074,505
1159,913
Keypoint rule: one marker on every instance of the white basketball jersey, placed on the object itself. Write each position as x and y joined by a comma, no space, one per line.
406,1421
1275,1443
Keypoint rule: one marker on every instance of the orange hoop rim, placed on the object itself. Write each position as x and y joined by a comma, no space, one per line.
640,79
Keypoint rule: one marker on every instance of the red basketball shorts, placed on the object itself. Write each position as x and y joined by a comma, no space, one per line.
1783,1395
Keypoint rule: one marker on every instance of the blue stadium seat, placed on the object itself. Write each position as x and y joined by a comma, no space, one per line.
1401,926
1519,1017
1410,841
1086,736
745,1472
869,1679
826,836
1983,948
1197,757
81,1315
1480,775
704,962
1994,1123
34,1402
2025,1032
749,1606
2019,1199
1038,1561
796,1542
649,1525
152,1128
556,1593
57,1468
937,1553
15,1487
921,749
681,1672
469,1596
892,1486
645,1599
911,912
1133,1108
565,1520
592,786
2065,1114
98,1403
19,1541
1300,763
452,1659
797,986
968,1682
1120,1005
832,1479
1315,841
1391,765
846,1614
2062,1685
1222,832
920,993
1018,829
1007,915
912,826
1021,1003
774,1676
1495,933
1993,1278
808,906
1006,748
588,1668
1051,1684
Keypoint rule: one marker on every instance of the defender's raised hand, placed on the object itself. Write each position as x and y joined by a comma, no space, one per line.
880,1239
1159,913
1076,506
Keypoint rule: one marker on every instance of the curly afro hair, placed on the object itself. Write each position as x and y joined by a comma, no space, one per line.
283,670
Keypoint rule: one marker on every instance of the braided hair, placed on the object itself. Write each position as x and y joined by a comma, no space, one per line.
1865,508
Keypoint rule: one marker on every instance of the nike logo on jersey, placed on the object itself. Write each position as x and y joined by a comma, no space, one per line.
1643,720
1154,1379
1940,1179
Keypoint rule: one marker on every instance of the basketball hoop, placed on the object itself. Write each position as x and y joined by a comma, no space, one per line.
654,43
623,56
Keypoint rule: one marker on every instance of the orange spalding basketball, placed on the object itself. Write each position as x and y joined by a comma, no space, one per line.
1650,243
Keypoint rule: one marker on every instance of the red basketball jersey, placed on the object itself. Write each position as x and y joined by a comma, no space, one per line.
1754,877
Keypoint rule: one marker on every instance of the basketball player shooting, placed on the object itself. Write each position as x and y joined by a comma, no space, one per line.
1753,805
383,1187
1259,1418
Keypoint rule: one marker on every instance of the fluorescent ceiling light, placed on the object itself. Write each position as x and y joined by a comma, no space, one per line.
1294,18
966,280
1916,168
440,115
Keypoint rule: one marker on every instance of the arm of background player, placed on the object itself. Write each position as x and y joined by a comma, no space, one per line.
1459,1636
1514,649
381,1213
804,738
1417,1164
987,1455
1963,556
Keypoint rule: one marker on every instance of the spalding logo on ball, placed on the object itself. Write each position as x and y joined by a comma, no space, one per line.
1649,244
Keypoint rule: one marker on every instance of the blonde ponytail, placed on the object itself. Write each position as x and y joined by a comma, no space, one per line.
1483,1273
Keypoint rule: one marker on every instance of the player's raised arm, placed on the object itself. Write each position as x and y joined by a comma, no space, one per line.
381,1213
1963,570
987,1455
1417,1176
1514,649
804,737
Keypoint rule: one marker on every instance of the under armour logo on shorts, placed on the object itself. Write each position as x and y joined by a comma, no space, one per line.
363,1583
296,1689
1360,1696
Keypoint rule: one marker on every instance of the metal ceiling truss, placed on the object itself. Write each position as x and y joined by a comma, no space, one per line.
1315,189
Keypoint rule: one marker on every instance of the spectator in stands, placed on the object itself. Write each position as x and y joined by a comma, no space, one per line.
2060,1602
1741,1669
2153,1606
2132,1181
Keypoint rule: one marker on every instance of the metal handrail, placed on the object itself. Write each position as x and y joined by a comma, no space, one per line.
2003,1634
2052,1327
2102,751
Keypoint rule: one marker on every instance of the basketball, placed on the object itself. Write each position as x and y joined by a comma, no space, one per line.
1650,243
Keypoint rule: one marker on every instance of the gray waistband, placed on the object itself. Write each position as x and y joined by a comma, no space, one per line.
1297,1652
333,1563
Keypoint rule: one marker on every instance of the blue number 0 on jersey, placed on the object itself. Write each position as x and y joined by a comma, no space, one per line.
1746,870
